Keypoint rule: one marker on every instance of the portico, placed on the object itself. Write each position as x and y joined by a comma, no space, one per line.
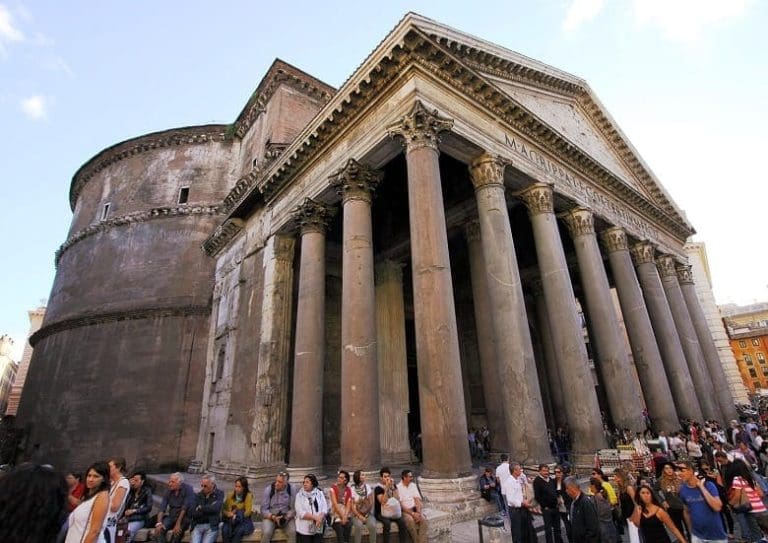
446,220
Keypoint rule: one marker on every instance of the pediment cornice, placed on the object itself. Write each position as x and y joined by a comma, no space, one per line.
414,48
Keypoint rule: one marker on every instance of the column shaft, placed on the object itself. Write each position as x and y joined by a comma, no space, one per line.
582,408
309,354
393,364
271,397
555,383
672,354
707,343
443,415
619,378
645,350
360,439
702,381
486,342
520,393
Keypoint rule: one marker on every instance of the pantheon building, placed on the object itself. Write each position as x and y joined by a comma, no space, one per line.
459,236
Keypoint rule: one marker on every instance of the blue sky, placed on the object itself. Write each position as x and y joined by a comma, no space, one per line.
687,81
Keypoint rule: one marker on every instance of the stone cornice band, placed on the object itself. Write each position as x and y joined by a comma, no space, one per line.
193,135
116,316
132,218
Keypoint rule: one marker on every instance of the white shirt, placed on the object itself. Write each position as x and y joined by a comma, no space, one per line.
513,492
502,474
408,495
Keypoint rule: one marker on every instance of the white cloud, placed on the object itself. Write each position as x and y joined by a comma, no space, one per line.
35,107
8,32
582,11
685,20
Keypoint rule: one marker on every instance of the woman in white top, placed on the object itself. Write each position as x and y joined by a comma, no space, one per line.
119,486
311,508
86,522
362,509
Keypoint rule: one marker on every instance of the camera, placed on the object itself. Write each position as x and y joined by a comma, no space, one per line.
280,520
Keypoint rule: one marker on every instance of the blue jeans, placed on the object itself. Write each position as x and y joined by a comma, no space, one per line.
205,533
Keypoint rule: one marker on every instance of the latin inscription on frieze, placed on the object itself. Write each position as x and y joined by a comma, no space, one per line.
564,179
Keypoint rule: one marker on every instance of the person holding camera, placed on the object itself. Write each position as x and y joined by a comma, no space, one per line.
236,513
277,509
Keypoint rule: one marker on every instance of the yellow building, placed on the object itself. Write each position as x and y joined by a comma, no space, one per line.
748,333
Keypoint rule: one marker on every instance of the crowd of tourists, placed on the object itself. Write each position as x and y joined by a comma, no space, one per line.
702,482
38,504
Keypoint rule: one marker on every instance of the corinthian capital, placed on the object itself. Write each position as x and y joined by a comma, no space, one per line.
313,216
580,222
642,252
614,239
355,181
420,127
666,265
685,274
487,170
538,199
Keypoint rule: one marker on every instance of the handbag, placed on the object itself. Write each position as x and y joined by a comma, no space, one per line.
391,509
739,502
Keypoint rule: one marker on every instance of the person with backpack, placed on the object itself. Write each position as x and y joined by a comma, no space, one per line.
277,509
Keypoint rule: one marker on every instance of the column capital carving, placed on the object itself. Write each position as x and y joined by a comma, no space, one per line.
355,181
642,252
614,239
580,222
472,230
685,274
666,265
487,170
420,128
538,198
312,216
283,247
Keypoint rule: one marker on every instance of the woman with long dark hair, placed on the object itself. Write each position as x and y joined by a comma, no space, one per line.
745,501
668,487
362,509
651,519
236,515
86,523
33,502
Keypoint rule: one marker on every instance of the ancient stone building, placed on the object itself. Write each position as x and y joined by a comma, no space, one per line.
403,255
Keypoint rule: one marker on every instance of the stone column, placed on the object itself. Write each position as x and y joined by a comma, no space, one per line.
707,343
582,408
271,402
309,355
443,419
619,379
393,363
679,377
645,351
702,381
520,392
359,368
555,383
486,342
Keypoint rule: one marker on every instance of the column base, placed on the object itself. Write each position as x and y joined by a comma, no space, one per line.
459,497
234,470
196,466
296,474
582,462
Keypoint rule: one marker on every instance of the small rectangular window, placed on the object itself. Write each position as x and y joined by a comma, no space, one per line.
742,344
761,358
756,342
753,372
105,212
748,359
183,195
